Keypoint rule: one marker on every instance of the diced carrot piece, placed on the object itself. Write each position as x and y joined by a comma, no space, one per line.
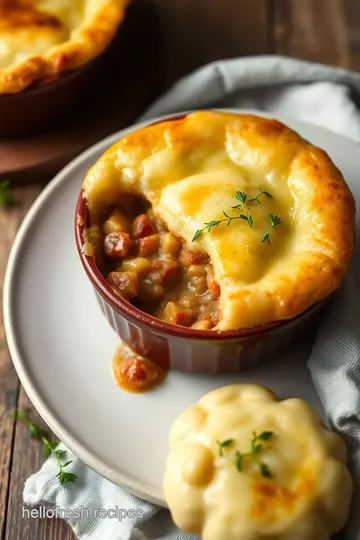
117,244
211,283
194,257
183,319
149,245
124,282
142,226
138,374
163,272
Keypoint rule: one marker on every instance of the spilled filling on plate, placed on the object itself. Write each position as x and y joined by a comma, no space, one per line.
135,373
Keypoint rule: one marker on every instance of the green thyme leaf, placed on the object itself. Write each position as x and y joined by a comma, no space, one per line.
238,461
20,414
60,454
49,447
197,235
6,196
65,477
274,221
266,237
257,198
35,431
253,455
265,435
241,196
224,444
257,448
265,471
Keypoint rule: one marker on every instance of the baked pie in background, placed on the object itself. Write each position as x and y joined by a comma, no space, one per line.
40,39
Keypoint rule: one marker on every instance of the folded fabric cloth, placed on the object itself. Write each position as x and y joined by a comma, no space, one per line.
311,92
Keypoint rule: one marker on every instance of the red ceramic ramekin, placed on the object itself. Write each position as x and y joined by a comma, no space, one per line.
45,103
185,349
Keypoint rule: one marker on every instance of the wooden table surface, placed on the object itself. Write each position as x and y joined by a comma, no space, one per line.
325,31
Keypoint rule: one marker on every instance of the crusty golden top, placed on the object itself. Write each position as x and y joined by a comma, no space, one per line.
41,38
192,171
244,465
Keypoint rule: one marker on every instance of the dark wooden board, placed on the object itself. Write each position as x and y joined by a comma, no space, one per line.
9,384
315,30
198,32
27,458
132,79
352,15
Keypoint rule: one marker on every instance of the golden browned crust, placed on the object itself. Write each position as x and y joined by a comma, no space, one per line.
69,48
309,253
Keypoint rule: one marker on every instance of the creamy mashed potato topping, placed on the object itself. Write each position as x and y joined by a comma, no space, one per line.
244,465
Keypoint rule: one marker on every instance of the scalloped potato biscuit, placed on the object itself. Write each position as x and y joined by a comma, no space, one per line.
245,465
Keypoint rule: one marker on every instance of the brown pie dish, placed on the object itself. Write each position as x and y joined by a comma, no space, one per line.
49,56
277,227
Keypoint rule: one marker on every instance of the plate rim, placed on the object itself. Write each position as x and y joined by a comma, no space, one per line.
122,479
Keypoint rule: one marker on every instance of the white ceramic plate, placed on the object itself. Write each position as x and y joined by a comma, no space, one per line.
62,345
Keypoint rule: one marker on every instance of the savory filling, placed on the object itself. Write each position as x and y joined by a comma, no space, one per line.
146,264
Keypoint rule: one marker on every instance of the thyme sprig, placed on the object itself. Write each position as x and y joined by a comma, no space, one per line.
274,221
241,196
243,206
257,447
228,219
50,448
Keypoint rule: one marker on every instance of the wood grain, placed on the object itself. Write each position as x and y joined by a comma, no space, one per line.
9,385
128,84
27,459
352,15
198,32
312,30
